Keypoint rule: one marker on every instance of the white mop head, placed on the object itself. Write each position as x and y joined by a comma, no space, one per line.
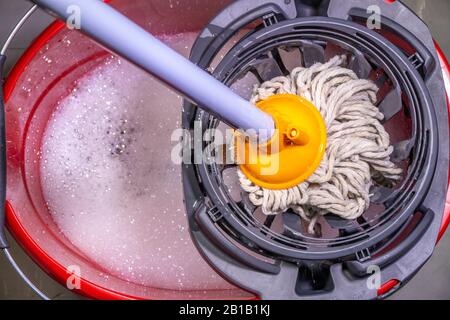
358,146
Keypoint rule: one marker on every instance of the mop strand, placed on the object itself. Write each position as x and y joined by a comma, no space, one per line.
358,147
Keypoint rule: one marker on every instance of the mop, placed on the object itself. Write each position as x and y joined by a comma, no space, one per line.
357,152
346,145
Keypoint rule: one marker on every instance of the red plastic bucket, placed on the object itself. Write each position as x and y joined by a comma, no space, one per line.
28,113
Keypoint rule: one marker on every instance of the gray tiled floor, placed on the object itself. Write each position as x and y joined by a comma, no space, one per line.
432,282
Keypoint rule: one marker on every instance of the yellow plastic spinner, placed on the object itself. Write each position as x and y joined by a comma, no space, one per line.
295,150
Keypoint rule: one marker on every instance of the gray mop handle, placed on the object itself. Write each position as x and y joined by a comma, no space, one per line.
122,36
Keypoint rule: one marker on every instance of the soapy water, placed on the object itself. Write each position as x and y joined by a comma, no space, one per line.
109,182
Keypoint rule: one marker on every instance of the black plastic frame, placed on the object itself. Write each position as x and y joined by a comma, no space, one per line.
277,280
425,134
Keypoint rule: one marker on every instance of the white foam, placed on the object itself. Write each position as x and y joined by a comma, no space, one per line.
110,184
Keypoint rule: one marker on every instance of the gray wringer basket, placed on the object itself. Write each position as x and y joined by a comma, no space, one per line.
274,256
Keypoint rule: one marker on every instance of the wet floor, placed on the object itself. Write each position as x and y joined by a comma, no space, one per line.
432,282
